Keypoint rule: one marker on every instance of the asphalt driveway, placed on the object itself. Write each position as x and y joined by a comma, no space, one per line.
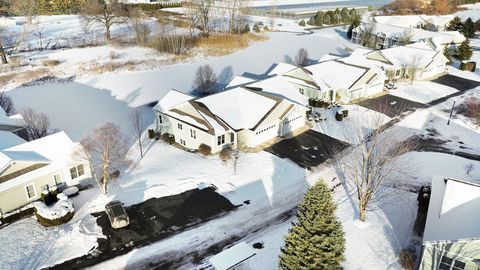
308,149
391,105
461,84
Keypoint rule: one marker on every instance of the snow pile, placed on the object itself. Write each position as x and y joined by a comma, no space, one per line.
59,210
422,91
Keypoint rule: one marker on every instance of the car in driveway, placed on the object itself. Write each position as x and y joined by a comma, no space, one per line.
117,215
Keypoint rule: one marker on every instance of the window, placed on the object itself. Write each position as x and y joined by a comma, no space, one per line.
221,139
397,73
447,263
44,187
30,189
77,171
160,120
182,142
232,137
58,178
193,133
180,126
302,91
73,172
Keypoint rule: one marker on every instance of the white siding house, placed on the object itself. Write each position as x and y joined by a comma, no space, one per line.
238,117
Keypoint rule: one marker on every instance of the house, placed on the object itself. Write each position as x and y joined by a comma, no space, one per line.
238,117
327,81
427,22
387,36
452,236
399,61
28,168
233,258
11,123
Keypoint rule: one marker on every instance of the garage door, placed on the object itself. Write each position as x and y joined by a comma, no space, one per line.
265,133
428,74
292,123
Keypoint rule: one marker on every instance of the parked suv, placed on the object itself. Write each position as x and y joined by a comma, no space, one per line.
117,214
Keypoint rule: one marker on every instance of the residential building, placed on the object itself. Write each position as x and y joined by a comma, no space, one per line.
28,168
387,36
427,22
452,238
11,123
399,61
238,117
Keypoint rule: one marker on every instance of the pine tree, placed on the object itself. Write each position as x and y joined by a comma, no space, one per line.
319,17
256,27
447,53
455,24
316,240
336,16
464,51
327,18
311,21
468,28
302,23
345,15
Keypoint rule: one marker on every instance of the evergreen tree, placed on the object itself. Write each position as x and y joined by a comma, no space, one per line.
477,25
302,23
350,31
311,21
345,15
468,28
316,240
455,24
246,29
319,17
327,18
464,51
336,16
353,13
256,27
447,53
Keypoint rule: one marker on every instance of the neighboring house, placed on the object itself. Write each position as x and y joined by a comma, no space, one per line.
328,81
27,168
237,117
427,22
452,236
11,123
233,258
400,60
387,36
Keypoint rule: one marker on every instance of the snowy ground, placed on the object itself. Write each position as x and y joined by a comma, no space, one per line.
422,91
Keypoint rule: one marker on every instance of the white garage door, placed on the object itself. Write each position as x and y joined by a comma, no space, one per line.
265,133
431,73
292,123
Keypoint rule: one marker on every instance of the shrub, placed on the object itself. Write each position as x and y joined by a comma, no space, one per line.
302,23
50,63
311,21
246,29
205,149
60,213
318,103
407,259
48,197
256,27
225,154
265,28
151,134
168,138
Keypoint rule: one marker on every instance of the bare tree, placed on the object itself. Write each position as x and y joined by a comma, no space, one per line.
192,16
472,110
236,17
6,103
37,124
205,81
106,149
138,125
368,36
106,13
3,36
374,158
405,38
204,10
413,67
137,21
9,41
39,33
301,59
27,8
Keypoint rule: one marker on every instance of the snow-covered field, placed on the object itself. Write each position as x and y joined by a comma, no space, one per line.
422,91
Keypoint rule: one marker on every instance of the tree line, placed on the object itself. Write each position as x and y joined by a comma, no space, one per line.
467,28
332,17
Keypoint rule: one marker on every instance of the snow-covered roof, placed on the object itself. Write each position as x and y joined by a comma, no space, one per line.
239,81
232,256
328,57
404,55
8,139
414,20
55,149
281,68
11,123
336,74
280,86
239,107
453,211
172,99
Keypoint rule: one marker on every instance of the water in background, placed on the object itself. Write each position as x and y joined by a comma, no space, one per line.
331,4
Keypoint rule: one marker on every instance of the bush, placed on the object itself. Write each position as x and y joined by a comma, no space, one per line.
168,138
265,28
151,134
256,27
225,154
407,259
48,197
60,213
50,63
205,149
246,29
318,103
302,23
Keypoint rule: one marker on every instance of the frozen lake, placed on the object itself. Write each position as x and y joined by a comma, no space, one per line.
331,4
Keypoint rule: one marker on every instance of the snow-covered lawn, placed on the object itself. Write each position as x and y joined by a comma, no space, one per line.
422,91
360,120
